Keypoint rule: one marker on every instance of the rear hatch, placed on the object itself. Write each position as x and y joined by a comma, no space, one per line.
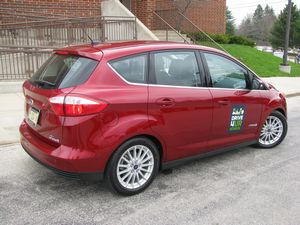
54,80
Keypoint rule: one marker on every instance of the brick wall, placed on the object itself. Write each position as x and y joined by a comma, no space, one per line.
143,10
209,15
32,10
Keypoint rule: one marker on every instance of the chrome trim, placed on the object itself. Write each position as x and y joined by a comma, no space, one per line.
30,101
232,89
172,86
253,125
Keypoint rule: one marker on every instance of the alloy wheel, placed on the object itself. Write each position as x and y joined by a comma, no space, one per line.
272,131
135,167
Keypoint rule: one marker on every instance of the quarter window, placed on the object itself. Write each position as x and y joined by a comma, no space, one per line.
132,69
176,68
225,73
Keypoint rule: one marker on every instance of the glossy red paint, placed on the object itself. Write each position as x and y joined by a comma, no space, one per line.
185,121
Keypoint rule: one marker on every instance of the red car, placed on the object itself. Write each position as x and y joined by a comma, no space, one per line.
124,111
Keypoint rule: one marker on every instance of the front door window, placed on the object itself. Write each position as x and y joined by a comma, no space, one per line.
225,73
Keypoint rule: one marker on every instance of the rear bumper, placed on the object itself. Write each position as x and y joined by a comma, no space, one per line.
62,159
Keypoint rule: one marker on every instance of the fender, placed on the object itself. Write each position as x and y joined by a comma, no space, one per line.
276,102
127,128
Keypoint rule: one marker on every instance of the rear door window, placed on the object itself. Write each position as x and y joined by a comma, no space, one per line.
132,69
178,68
62,71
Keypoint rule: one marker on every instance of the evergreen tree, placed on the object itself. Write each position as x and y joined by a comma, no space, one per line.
279,28
230,27
258,15
257,20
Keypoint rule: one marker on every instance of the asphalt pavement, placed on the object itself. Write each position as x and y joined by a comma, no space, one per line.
245,186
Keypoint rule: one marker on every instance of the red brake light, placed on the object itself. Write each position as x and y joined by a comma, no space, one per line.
61,52
76,105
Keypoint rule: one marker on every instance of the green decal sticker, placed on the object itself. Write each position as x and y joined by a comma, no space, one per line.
237,118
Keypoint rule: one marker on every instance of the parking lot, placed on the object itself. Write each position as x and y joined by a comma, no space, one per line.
246,186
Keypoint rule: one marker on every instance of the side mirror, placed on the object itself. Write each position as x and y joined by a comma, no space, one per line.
257,84
262,86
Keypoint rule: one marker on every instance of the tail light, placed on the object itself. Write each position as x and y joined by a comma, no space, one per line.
76,105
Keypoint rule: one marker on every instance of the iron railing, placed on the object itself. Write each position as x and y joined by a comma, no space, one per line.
164,25
62,32
19,63
25,46
183,25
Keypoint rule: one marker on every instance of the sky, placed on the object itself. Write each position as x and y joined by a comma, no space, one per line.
240,8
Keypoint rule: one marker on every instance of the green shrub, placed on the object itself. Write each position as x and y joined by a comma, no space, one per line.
222,38
197,36
241,40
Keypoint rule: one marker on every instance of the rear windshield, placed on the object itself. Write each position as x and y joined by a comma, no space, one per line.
62,71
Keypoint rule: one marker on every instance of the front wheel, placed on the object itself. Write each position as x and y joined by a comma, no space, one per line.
273,131
133,166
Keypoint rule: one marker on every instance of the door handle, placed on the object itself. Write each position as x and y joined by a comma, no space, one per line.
224,102
165,102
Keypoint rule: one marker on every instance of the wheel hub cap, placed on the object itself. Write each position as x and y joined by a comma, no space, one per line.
272,131
135,167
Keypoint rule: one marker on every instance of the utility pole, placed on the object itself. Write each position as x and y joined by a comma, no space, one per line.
287,33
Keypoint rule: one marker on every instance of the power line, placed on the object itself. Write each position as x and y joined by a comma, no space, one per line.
260,2
253,5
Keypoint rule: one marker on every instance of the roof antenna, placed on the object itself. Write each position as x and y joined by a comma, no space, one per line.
92,41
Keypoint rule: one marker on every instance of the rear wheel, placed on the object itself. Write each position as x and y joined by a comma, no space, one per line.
133,166
273,131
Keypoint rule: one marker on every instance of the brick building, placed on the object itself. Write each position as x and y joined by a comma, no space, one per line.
209,15
34,10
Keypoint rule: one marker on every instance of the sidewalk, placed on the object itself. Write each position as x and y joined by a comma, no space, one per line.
12,106
290,86
11,115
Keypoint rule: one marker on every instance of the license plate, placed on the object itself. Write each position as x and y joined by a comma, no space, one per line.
33,115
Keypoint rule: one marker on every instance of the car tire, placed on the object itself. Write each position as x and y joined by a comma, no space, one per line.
133,166
273,131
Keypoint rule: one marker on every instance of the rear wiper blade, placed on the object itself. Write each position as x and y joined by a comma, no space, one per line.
42,83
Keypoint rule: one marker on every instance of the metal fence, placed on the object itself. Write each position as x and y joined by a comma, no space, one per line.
61,32
183,25
19,63
25,46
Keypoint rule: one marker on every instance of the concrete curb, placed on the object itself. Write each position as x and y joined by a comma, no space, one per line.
292,95
9,142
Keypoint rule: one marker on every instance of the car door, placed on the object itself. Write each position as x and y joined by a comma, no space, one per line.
179,104
237,108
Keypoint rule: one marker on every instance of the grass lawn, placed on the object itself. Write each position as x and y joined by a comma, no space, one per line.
262,63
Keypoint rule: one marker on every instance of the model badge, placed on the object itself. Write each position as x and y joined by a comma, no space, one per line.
52,138
30,101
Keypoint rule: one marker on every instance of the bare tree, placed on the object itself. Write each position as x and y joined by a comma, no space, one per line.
246,26
258,26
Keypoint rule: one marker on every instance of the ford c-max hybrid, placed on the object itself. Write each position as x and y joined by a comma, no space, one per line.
124,111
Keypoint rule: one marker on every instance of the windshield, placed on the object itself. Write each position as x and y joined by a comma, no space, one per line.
62,71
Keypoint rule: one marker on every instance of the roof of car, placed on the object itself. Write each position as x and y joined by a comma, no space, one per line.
119,49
